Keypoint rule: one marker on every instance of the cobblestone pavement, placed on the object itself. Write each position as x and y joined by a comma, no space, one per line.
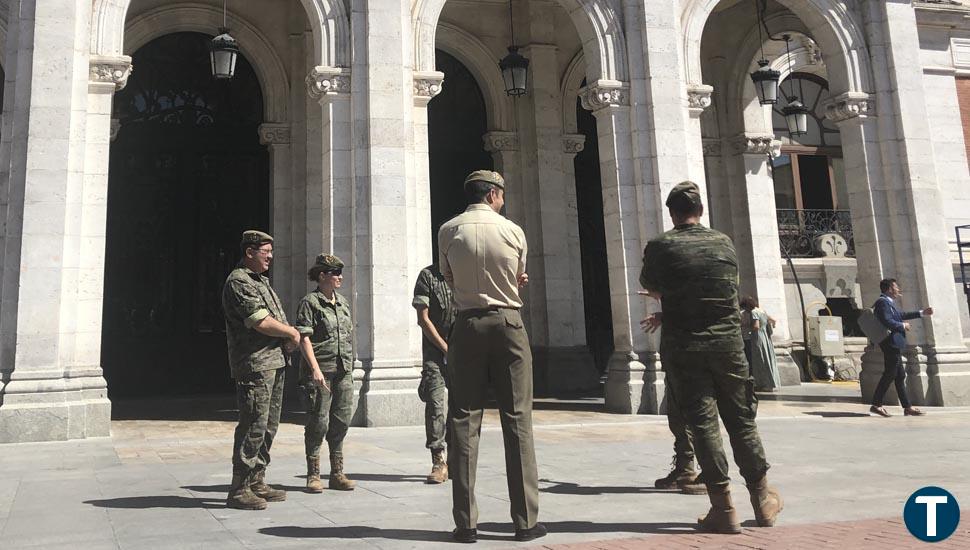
160,482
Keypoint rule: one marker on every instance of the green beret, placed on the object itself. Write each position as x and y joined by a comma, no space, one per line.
487,176
254,237
684,196
328,262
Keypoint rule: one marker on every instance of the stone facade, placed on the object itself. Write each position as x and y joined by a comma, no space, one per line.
346,86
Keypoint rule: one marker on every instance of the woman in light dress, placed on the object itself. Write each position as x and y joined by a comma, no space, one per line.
756,327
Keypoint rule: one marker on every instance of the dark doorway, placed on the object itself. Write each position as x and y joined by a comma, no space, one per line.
816,186
456,123
592,243
187,176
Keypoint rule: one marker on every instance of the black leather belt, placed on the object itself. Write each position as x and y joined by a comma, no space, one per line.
482,310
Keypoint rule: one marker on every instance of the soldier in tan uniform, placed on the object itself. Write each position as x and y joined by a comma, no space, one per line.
482,255
257,336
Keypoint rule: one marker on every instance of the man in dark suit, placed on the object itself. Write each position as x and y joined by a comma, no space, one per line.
892,347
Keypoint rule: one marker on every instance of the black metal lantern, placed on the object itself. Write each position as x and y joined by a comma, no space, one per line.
223,53
515,68
766,83
515,72
796,117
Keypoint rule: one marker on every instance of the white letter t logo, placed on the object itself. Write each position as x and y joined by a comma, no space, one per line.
931,503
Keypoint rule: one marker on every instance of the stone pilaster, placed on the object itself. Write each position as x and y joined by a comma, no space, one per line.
276,137
51,383
755,227
914,246
389,226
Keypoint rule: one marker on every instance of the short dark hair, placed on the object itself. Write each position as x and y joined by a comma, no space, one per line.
475,191
682,209
255,246
886,284
749,302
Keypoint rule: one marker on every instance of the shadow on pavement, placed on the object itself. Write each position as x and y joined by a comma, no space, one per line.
566,488
596,527
159,501
359,532
836,414
767,396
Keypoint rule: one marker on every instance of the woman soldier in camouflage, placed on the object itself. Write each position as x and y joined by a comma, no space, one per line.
323,319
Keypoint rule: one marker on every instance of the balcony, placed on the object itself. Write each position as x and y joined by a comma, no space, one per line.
799,231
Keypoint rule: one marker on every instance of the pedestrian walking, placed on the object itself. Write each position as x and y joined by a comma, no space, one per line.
257,337
693,271
433,301
323,318
483,256
887,312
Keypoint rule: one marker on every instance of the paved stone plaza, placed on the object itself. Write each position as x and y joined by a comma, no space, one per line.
160,483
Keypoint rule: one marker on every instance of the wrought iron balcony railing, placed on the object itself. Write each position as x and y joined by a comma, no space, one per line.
798,230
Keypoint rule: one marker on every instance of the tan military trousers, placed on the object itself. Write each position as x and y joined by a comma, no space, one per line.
490,348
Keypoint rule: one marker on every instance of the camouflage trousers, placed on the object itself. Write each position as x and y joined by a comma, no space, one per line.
259,397
328,413
433,392
706,384
683,438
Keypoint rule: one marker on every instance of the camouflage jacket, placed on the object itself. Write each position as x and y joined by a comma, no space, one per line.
330,328
431,291
696,271
247,299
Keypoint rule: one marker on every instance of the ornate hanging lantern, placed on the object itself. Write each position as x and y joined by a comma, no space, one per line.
223,50
515,68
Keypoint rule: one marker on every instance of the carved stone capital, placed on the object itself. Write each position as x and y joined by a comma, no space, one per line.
324,83
698,98
426,86
501,141
573,144
108,73
605,93
753,144
274,133
712,147
850,105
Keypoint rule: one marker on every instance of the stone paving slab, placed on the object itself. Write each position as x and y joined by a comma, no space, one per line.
162,483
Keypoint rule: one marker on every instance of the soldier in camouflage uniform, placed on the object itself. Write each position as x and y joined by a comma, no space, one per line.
436,313
323,318
693,270
257,336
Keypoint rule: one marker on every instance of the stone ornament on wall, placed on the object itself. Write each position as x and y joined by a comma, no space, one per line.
573,144
426,86
712,147
698,98
754,144
501,141
274,133
850,105
109,73
605,93
831,245
326,82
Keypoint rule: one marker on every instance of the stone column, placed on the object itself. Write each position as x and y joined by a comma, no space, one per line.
757,243
426,87
572,145
276,137
386,239
51,384
914,249
634,381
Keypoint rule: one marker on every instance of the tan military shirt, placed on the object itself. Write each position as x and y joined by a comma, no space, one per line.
481,253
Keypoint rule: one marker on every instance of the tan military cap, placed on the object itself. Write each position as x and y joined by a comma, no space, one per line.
684,195
487,176
327,262
255,237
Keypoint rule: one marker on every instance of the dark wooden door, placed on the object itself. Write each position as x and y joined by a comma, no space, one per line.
187,176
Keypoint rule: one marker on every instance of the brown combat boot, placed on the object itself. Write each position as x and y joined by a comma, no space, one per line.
242,497
439,467
313,483
338,480
766,501
694,487
722,517
262,490
683,473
